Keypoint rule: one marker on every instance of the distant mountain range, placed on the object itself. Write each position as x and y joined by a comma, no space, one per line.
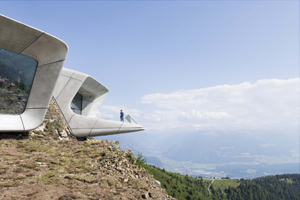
216,153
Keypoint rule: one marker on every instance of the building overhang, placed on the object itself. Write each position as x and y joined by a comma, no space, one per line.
50,53
70,83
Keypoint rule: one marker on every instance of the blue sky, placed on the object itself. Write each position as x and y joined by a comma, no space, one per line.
238,59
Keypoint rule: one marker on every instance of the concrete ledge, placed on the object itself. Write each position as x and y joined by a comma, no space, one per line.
93,93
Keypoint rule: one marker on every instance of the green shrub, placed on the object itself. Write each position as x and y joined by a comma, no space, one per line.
132,158
141,160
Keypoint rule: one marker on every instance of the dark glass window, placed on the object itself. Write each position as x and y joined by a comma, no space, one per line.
16,77
76,104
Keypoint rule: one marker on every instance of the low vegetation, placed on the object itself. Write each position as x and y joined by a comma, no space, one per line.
279,187
45,164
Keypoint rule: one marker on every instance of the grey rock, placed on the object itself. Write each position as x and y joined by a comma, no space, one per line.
145,196
41,128
63,133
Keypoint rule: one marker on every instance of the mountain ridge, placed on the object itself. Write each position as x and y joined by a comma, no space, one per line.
49,163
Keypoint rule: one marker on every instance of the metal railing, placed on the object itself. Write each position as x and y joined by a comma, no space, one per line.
130,119
63,115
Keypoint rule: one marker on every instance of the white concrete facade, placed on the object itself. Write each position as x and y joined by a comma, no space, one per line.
51,78
70,83
50,54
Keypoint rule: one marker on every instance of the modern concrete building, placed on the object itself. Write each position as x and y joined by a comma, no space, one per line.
79,97
31,72
30,63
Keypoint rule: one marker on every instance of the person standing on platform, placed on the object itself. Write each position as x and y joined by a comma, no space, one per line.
121,116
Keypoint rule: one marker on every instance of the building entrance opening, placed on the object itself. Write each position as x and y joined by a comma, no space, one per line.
76,104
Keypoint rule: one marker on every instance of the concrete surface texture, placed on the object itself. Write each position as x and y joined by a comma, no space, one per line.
50,54
70,83
49,79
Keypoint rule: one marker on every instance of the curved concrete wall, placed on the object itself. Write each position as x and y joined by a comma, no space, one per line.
69,83
50,53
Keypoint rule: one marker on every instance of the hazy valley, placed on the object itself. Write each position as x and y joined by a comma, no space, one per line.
215,154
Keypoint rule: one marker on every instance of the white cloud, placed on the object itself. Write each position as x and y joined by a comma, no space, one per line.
268,145
267,104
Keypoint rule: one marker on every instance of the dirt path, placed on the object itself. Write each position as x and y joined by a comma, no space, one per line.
210,184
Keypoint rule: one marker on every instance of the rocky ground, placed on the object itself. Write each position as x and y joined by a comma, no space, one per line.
49,163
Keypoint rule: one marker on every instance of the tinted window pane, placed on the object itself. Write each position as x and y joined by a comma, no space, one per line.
16,77
12,104
76,104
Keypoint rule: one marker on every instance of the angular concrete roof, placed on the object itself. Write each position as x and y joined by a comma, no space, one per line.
93,92
50,52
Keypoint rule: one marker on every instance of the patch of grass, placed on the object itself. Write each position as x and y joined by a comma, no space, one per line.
7,158
30,174
225,183
88,151
53,150
3,169
111,182
132,158
98,154
82,166
23,157
53,167
180,186
21,170
69,155
33,146
49,177
30,165
288,180
19,177
53,162
72,165
59,126
8,143
8,184
83,178
87,144
65,161
138,184
48,125
40,159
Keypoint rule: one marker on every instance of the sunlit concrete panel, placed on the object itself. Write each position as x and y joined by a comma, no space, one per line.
50,53
104,131
82,122
82,119
32,118
81,132
66,95
62,81
41,94
47,49
16,36
11,123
